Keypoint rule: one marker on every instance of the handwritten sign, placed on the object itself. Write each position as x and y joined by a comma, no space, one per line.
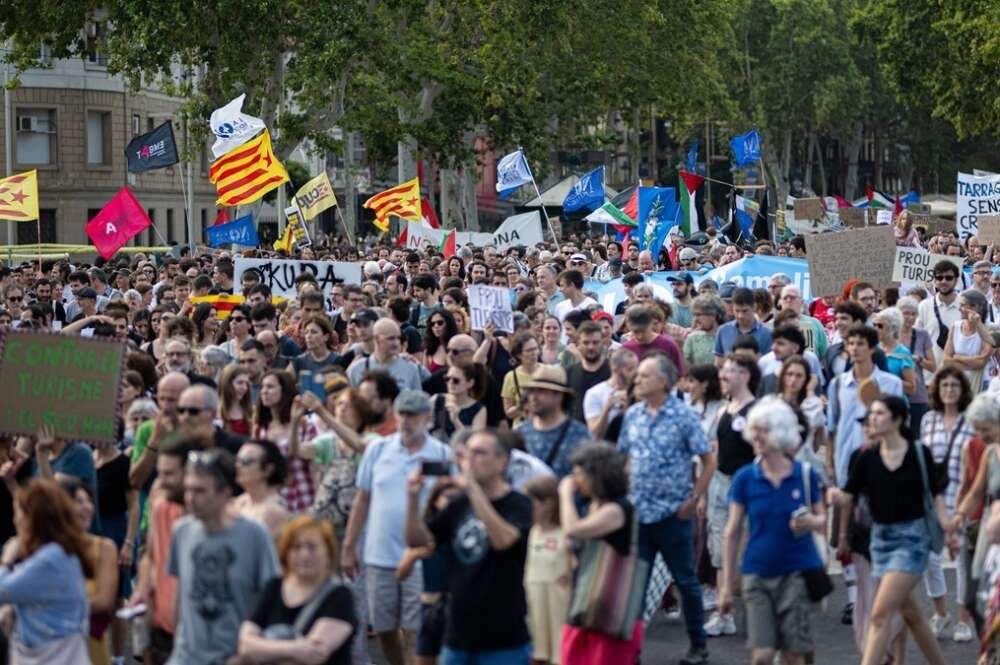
69,383
866,254
811,208
989,230
279,274
855,218
975,196
917,265
883,217
490,304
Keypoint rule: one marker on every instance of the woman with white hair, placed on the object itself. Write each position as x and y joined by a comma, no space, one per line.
899,361
921,349
782,501
969,342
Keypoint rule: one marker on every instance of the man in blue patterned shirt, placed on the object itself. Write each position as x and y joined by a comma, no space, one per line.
661,435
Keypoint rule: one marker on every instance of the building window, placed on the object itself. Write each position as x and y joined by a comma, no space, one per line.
99,138
36,136
136,124
170,225
151,231
27,233
94,56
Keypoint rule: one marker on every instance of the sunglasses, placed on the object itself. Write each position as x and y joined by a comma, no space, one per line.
945,278
435,324
454,379
190,410
15,298
238,319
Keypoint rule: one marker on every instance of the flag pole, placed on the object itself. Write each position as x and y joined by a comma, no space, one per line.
545,212
343,223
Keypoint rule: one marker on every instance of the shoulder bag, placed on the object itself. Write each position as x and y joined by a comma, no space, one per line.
306,615
609,590
818,583
934,529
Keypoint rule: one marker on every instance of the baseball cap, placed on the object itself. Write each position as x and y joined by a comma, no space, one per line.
688,254
364,315
681,277
578,257
726,290
602,315
412,401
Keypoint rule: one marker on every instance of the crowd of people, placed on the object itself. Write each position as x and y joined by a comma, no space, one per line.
319,477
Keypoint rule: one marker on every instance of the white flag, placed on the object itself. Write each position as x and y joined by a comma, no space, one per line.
232,127
524,230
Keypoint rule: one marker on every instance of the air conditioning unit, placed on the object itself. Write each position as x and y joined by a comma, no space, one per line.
27,123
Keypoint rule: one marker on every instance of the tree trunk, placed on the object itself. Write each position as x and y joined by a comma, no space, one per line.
777,169
822,167
349,204
654,171
470,214
451,199
810,151
853,152
878,159
635,150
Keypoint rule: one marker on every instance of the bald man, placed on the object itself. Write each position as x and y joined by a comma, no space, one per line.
646,262
197,409
151,433
386,355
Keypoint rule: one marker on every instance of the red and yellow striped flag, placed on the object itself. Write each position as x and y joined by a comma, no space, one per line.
246,173
403,201
19,197
224,304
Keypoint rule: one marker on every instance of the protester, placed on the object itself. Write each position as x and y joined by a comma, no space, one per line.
525,350
260,473
551,434
276,420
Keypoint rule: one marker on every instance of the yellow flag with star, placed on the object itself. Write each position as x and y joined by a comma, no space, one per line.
19,197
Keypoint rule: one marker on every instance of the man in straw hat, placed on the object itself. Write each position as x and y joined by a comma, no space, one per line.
551,434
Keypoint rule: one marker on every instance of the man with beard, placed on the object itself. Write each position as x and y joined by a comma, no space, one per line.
43,293
551,434
155,586
593,367
680,308
936,315
380,390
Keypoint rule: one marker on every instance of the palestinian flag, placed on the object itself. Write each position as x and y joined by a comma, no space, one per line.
688,186
610,214
447,247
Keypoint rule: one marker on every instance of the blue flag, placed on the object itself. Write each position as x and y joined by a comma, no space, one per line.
692,159
238,232
746,147
743,216
588,192
512,172
658,213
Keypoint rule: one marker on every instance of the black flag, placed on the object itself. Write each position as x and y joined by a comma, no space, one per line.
761,227
154,150
732,231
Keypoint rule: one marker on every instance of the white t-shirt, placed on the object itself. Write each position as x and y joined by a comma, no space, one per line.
565,307
595,398
522,467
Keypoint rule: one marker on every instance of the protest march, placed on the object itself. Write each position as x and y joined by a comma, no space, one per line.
534,389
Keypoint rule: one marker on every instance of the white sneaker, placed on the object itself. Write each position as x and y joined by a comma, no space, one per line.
720,624
939,624
963,632
709,599
673,615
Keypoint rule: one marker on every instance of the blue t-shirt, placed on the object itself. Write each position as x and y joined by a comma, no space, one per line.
899,359
773,549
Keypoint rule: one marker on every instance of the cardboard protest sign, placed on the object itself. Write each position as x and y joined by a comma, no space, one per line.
69,383
975,196
917,265
883,217
300,234
919,208
834,258
989,230
855,218
490,304
279,274
811,208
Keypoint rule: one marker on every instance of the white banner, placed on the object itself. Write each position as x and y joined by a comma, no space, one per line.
915,266
279,274
490,304
976,195
521,232
524,229
232,127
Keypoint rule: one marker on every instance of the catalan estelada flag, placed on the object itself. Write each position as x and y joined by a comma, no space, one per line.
246,173
224,304
19,197
403,201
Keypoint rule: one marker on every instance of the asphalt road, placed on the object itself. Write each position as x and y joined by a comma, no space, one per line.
666,642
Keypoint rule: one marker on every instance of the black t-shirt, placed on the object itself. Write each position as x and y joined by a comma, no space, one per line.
894,496
339,604
581,380
435,385
621,539
112,486
486,605
734,452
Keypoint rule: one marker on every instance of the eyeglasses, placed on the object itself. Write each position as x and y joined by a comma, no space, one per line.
190,410
945,278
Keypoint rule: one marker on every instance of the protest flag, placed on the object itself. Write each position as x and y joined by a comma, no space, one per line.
746,148
153,150
692,158
512,172
688,187
237,232
403,201
223,304
232,127
221,218
761,226
286,241
247,172
19,197
658,213
447,247
898,208
120,220
588,192
430,218
315,196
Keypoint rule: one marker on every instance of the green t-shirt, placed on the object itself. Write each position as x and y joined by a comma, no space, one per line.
142,436
699,348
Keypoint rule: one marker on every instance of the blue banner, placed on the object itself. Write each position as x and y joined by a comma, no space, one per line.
237,232
753,272
588,192
746,147
658,212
